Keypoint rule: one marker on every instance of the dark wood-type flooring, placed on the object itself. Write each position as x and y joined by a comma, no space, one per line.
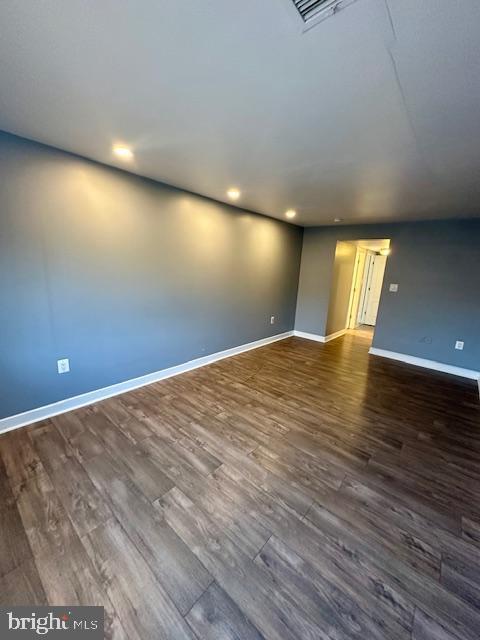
295,491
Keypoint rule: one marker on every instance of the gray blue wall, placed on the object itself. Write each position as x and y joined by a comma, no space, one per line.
124,276
437,267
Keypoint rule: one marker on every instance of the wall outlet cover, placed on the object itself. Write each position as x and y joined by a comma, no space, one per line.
63,366
393,288
272,319
459,344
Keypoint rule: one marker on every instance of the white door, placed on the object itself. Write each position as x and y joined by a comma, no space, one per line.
365,286
374,289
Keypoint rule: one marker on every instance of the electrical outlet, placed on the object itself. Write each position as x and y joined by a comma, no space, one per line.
63,366
272,319
459,344
393,288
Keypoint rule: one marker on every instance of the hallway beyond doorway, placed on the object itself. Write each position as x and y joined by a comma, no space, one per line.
357,281
363,331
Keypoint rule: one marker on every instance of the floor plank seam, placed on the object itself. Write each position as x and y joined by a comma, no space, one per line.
213,581
262,547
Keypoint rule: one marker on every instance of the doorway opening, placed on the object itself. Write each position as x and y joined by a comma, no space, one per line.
358,274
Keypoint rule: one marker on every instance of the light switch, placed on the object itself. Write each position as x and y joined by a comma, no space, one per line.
394,288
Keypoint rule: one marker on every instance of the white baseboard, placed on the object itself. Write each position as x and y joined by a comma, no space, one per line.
317,338
83,400
337,334
426,364
309,336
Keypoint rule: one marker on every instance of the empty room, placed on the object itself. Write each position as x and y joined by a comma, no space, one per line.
240,319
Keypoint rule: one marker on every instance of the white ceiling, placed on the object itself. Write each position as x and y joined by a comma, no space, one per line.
373,114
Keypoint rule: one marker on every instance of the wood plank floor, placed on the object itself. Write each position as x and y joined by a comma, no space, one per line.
297,491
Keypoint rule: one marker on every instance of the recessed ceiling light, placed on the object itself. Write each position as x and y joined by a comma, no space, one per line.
337,219
291,213
123,152
233,193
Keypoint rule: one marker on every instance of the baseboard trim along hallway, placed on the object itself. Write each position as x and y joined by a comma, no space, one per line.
318,338
84,399
426,364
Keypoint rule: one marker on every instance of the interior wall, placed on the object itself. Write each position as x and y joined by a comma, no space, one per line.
341,286
358,285
435,264
125,276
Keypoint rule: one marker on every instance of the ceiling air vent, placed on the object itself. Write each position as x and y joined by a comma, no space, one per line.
309,9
